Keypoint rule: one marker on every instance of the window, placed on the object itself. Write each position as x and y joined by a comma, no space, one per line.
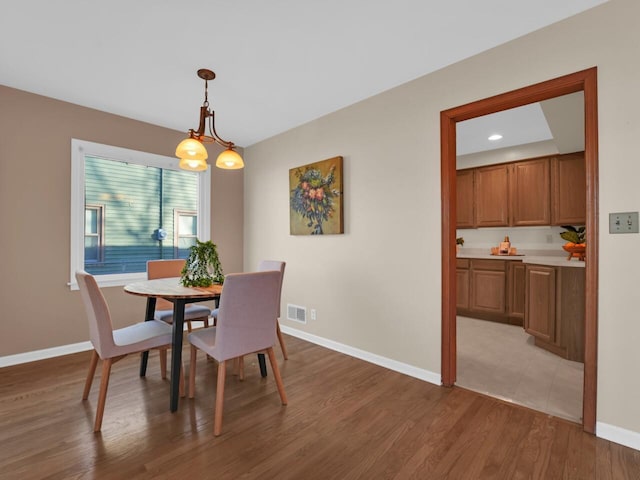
186,230
128,207
93,228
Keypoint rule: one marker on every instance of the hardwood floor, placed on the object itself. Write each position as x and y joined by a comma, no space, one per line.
346,419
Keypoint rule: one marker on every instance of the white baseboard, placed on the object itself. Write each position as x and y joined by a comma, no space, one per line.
628,438
385,362
26,357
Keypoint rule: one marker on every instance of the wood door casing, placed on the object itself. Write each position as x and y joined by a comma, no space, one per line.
587,82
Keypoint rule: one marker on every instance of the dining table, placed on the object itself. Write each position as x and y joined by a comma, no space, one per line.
170,289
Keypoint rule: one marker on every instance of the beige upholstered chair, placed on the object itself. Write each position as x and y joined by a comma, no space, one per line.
112,345
246,324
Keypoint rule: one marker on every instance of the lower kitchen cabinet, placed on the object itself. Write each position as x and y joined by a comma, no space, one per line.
488,282
540,308
484,290
462,284
554,309
516,290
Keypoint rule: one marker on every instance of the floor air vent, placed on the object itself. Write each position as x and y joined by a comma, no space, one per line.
296,313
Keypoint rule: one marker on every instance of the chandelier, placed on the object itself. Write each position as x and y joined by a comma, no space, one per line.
191,151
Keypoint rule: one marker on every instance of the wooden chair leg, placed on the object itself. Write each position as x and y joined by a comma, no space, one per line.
189,326
192,372
276,375
163,363
281,340
102,398
236,366
217,422
90,374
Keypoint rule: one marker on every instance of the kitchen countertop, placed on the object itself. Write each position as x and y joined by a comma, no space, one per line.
539,257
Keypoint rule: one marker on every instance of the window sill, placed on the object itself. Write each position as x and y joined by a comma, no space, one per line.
112,280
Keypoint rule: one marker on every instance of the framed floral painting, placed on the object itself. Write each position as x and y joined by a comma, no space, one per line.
315,198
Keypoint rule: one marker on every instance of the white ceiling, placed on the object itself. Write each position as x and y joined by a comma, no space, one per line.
279,63
517,126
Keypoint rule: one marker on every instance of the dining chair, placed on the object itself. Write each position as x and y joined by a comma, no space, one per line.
112,345
264,266
167,268
164,309
246,324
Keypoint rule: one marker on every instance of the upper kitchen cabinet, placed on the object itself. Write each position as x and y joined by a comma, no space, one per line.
529,189
568,189
464,199
491,194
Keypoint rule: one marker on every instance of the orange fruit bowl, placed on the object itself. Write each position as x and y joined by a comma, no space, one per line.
575,251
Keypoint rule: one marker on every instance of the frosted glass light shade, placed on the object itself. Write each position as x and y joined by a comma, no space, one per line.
192,155
229,160
193,165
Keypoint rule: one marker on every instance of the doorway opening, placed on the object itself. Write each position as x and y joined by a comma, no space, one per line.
585,81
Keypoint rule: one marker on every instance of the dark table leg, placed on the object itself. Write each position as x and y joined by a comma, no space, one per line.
149,314
176,351
263,365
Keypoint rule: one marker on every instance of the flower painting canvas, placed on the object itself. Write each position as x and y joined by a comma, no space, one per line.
315,198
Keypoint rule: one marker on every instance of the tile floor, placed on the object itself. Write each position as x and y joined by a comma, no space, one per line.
502,361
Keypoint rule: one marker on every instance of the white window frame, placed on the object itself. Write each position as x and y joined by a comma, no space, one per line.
100,233
82,148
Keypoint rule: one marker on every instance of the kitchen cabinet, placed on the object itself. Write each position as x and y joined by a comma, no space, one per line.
483,289
568,189
465,195
516,290
538,191
462,284
492,196
554,309
540,308
529,193
488,286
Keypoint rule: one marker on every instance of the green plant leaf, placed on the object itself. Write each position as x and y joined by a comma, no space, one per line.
570,236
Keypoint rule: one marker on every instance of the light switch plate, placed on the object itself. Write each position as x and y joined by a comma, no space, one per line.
623,222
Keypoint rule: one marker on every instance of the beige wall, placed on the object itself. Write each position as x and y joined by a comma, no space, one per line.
377,287
37,309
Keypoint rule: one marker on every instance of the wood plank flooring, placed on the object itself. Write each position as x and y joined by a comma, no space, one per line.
346,419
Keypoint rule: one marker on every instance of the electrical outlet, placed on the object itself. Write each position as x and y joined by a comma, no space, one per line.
313,314
623,222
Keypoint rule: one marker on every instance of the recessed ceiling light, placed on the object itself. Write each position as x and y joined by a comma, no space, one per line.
495,136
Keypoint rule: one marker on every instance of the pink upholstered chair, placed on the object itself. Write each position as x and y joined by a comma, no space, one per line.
168,268
164,309
246,324
112,345
264,266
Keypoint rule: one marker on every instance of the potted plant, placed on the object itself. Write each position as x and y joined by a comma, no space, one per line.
202,268
459,243
575,238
